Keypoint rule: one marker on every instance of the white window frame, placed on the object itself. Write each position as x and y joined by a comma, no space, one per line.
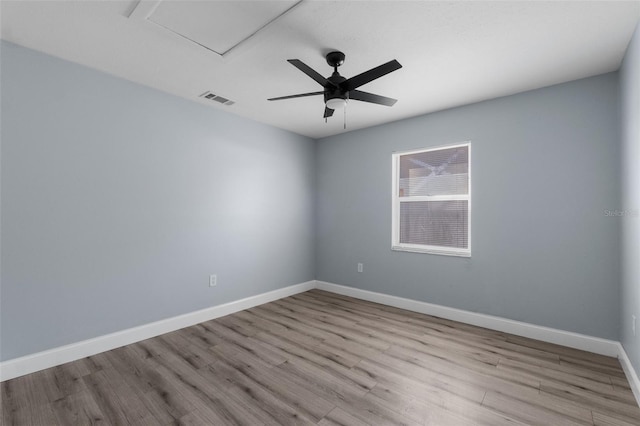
395,206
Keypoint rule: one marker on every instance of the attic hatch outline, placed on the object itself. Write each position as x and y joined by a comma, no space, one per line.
145,8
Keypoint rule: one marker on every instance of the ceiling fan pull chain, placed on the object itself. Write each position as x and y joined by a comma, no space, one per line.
345,110
345,117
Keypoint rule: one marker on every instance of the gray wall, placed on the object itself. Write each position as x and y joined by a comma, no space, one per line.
118,201
630,113
545,167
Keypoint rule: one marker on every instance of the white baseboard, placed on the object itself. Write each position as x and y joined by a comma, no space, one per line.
50,358
630,372
546,334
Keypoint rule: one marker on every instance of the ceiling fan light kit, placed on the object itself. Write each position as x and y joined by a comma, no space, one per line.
339,90
335,103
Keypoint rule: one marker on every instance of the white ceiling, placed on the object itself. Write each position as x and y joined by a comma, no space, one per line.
452,52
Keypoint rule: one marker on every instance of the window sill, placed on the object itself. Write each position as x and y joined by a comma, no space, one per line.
432,251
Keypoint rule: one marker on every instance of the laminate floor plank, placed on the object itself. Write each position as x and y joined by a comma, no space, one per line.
315,307
78,409
28,390
428,321
40,415
263,324
621,383
366,311
370,410
115,399
531,413
565,351
238,325
324,384
219,401
570,369
211,398
222,332
198,335
360,311
255,397
553,375
442,350
154,389
329,327
265,355
468,344
24,404
604,404
422,364
480,415
336,354
192,353
140,375
614,370
194,418
309,404
292,306
339,417
318,358
93,363
600,419
68,379
468,336
438,390
289,322
498,347
352,347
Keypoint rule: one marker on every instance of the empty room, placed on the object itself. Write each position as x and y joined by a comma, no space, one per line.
307,212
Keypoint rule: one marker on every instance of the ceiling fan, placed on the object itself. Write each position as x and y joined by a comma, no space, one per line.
337,89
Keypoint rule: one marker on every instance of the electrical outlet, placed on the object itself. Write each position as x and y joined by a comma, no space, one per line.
633,324
213,280
360,267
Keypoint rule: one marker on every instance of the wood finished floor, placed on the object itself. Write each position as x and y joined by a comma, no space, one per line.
320,358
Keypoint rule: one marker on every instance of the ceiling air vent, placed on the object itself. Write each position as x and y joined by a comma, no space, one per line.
216,98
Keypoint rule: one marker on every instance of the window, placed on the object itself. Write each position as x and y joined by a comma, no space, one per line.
431,200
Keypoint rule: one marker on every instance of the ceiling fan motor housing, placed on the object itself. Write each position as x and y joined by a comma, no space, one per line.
332,91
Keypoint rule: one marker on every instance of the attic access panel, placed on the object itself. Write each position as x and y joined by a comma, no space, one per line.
218,26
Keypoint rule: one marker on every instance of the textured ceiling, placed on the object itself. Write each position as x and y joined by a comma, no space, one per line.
453,53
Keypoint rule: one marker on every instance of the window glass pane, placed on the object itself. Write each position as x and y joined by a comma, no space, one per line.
440,172
435,223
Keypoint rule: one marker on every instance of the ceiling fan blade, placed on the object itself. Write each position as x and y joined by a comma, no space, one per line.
370,97
367,76
301,95
310,72
328,112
